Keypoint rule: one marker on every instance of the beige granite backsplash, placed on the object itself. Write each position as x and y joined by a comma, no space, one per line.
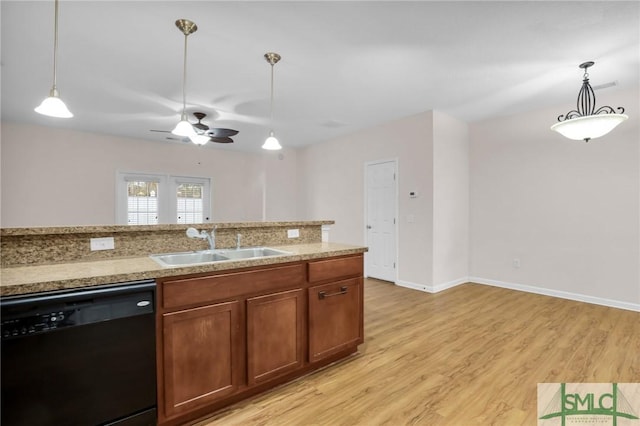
37,246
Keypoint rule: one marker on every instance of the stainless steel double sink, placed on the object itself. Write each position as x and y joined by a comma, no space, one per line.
191,258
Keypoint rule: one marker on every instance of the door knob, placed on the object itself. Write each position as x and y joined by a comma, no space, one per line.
368,226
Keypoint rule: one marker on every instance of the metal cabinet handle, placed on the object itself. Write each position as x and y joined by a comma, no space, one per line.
324,295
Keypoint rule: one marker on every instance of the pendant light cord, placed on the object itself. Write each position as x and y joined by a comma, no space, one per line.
55,45
271,118
184,81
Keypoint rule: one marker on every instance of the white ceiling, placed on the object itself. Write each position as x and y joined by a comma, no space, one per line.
346,65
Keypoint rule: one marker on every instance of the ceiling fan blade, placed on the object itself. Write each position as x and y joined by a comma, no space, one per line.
178,139
221,133
222,140
201,126
160,131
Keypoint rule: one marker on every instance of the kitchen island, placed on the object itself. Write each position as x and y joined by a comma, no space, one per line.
224,330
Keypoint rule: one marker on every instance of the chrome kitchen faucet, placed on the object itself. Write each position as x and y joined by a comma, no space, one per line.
210,237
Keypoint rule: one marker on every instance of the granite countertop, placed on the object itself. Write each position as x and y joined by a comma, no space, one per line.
57,230
39,278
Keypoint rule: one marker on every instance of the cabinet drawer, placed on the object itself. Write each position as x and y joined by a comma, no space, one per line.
188,291
332,269
335,317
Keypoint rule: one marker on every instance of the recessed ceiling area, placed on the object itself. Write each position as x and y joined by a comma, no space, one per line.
345,65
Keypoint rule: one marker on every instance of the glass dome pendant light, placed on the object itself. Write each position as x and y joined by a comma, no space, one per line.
586,122
271,143
184,128
53,106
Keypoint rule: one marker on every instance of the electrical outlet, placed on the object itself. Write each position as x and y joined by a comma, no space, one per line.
293,233
105,243
516,263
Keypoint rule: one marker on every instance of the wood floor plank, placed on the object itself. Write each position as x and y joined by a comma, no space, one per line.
470,355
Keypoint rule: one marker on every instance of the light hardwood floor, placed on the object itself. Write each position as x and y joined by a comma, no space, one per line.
470,355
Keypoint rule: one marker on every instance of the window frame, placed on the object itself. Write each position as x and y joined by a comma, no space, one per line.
167,195
175,181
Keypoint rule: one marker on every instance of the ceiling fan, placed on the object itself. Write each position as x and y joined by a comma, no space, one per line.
218,135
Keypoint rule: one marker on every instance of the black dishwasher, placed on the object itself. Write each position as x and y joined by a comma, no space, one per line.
83,357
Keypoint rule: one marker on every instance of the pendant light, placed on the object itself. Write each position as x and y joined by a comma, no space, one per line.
271,143
53,105
184,128
586,122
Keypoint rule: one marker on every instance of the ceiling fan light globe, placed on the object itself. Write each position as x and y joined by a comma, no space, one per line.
271,143
184,128
53,106
589,127
199,139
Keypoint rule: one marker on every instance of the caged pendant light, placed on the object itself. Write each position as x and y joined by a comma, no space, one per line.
53,106
184,128
271,143
586,122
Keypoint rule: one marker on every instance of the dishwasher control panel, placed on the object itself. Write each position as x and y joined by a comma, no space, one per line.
42,313
37,323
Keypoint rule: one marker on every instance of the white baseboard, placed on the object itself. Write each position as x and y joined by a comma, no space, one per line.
558,293
432,288
450,284
413,286
522,287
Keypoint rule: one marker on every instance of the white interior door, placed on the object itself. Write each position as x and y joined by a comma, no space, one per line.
380,220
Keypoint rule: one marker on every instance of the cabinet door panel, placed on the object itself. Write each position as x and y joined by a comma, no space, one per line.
275,333
335,317
201,351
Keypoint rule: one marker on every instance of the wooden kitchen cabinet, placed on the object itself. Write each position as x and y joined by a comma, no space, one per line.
201,355
224,336
335,317
335,304
275,333
222,333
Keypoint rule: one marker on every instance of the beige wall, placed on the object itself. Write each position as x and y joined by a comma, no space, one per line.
281,186
53,176
450,200
569,210
332,185
432,150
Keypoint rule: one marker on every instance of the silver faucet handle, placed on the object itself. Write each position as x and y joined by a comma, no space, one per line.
193,233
